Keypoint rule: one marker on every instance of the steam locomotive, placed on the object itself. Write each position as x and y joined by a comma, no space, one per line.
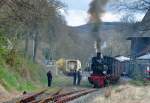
104,70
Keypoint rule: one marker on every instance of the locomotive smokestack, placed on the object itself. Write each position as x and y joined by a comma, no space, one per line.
97,46
95,11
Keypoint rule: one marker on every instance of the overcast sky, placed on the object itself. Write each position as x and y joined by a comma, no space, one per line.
77,13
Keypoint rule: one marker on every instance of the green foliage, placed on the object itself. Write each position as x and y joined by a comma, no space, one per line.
38,73
13,81
17,72
3,47
10,58
24,75
29,70
31,19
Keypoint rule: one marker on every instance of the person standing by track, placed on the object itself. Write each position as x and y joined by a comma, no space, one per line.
49,78
79,76
74,77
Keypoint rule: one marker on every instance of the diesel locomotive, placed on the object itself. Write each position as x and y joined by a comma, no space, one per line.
105,70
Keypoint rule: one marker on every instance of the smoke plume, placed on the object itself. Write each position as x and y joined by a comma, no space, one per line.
95,11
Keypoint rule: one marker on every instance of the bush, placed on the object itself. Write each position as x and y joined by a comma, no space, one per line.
16,71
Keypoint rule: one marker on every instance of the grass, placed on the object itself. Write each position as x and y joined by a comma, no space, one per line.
13,81
60,81
29,76
137,82
37,71
85,83
23,76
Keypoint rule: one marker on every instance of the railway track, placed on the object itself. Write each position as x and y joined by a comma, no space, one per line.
31,97
56,97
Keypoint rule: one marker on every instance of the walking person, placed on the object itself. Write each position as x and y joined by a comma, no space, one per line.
49,78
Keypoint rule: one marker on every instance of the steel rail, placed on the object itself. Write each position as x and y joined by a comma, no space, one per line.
74,96
54,98
29,98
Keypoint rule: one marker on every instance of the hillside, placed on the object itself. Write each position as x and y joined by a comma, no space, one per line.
22,73
78,42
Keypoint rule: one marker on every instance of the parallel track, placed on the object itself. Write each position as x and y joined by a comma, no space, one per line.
74,96
56,98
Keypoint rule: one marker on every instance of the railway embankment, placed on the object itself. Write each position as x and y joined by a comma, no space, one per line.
24,75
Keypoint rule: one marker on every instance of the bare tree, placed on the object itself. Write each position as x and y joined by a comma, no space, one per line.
31,17
128,18
133,5
136,6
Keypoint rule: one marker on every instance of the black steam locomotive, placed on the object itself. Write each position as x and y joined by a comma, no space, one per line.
104,69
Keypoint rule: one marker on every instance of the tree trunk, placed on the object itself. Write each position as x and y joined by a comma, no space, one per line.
35,46
26,45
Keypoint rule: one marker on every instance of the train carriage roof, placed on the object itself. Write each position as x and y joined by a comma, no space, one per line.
122,58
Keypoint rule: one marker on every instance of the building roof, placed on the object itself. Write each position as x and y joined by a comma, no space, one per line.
145,51
122,58
145,57
146,18
139,33
142,28
132,37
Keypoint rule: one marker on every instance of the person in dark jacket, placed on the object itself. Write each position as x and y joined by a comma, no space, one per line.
74,77
79,76
49,78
